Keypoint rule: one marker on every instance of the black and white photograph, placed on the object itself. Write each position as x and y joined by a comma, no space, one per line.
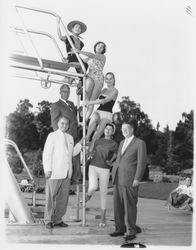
97,131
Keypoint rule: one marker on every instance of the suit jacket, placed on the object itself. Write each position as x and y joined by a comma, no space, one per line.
131,164
60,108
57,154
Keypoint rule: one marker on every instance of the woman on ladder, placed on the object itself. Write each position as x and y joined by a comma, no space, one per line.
103,114
95,77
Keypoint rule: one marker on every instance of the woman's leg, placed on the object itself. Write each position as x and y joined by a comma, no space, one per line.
95,93
92,125
90,84
104,175
93,180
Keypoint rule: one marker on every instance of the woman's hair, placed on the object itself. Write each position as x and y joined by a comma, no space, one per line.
112,126
111,73
104,48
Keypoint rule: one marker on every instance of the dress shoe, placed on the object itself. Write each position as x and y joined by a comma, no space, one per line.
49,225
72,192
138,229
61,224
116,233
129,237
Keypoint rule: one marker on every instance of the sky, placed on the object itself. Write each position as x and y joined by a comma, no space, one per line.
150,49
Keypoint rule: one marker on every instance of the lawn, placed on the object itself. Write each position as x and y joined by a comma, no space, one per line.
148,189
152,190
156,190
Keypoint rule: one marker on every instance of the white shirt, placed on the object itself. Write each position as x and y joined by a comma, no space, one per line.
58,153
64,101
183,189
126,143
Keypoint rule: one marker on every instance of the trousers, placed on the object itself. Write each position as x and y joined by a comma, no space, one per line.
125,208
57,194
101,174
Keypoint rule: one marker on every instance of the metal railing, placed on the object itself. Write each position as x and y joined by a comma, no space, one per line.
57,17
19,30
13,144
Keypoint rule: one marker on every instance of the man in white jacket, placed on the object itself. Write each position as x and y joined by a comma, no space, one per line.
57,162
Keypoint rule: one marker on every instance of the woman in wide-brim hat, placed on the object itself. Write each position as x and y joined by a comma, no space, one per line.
71,25
76,28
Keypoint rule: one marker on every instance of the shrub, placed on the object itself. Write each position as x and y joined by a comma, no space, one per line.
29,189
166,179
34,162
14,161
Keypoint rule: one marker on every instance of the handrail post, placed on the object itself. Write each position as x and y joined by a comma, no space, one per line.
84,155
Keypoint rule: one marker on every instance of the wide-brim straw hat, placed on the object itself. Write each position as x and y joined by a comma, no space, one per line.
72,23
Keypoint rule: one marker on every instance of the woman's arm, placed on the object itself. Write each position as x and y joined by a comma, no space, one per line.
111,96
61,37
110,162
92,55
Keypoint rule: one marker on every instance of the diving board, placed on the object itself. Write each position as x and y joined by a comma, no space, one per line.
29,60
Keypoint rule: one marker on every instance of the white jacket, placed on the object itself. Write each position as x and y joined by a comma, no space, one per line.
57,157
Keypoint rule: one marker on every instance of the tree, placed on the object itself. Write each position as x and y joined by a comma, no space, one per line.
131,110
43,121
183,139
172,165
20,127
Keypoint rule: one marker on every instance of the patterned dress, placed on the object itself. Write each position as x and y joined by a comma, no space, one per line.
95,69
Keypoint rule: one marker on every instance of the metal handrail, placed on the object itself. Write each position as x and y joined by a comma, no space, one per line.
12,143
31,40
19,30
57,17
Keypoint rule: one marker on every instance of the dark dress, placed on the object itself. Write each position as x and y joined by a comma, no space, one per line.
72,57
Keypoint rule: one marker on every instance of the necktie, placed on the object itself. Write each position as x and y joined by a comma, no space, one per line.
124,146
69,106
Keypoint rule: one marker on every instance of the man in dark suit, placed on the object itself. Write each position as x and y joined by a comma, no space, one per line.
127,173
66,108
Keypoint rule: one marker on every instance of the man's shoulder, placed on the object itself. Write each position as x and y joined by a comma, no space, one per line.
70,102
56,104
139,140
52,134
70,137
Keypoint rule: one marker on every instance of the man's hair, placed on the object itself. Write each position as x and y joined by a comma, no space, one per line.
63,117
64,85
132,123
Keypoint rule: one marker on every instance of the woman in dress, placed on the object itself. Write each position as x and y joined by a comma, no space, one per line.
103,154
103,114
95,77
